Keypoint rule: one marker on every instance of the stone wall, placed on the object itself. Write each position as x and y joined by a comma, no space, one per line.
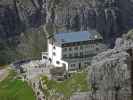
111,72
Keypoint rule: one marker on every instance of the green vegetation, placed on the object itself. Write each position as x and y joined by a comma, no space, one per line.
7,52
14,89
130,34
77,83
28,45
32,43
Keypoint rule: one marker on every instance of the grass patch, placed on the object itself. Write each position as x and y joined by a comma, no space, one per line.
14,89
77,83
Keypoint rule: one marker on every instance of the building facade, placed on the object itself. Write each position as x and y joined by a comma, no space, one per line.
74,50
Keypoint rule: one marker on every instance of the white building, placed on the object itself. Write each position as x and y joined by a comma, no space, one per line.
73,50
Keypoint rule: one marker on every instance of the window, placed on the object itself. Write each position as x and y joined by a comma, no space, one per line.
81,53
70,55
54,47
75,54
50,60
64,49
57,62
92,45
70,49
54,53
72,65
81,47
76,48
64,56
87,63
86,46
44,57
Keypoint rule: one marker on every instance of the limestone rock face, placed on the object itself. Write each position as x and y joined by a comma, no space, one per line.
109,17
20,15
110,72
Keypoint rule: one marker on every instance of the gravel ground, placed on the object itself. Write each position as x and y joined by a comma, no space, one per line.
3,74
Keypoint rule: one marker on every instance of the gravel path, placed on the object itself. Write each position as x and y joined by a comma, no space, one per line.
3,74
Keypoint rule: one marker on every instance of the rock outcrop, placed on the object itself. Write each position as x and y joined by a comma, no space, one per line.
111,71
109,17
20,15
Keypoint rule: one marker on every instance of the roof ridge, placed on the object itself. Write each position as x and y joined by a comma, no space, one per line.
67,37
70,32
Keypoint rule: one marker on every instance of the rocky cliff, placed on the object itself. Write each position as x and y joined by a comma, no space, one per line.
109,17
19,15
111,71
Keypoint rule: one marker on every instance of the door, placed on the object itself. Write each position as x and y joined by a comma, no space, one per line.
79,65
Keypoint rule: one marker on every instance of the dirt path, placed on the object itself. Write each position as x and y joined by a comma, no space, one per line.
3,74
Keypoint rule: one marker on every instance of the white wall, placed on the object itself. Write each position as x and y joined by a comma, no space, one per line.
50,51
53,48
57,50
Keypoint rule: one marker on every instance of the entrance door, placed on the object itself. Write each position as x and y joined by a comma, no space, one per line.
79,65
